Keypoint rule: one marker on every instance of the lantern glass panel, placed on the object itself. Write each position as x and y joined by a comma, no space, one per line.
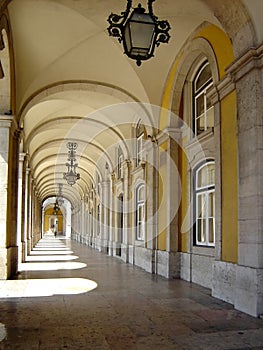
139,33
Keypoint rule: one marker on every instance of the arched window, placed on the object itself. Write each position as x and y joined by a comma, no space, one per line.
98,218
120,161
204,211
203,111
139,142
140,212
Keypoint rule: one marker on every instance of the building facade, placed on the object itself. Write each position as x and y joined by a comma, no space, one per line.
169,153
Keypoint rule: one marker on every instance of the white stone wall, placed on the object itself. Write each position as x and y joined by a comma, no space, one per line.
249,290
202,270
224,281
185,272
143,258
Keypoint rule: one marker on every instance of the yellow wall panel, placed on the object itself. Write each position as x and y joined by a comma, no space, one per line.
183,236
229,162
162,197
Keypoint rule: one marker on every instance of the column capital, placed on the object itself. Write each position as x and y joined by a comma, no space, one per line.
22,156
6,121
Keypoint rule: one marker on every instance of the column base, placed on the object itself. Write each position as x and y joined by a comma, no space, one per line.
116,249
168,264
144,258
8,262
249,290
125,252
28,246
240,286
110,248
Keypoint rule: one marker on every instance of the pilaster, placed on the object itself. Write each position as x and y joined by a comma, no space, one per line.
20,233
9,139
246,73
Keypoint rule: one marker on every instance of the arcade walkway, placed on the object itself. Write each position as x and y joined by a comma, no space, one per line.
69,296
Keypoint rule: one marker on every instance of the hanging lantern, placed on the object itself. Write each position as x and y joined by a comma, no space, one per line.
140,32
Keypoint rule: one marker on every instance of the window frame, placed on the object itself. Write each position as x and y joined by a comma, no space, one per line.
196,94
120,161
198,192
139,143
140,204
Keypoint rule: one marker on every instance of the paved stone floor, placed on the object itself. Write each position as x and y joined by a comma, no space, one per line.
69,296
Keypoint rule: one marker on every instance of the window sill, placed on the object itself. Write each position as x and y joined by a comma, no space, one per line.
139,168
204,136
139,243
204,250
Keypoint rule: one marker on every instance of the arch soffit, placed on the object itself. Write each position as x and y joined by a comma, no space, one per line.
86,86
236,21
4,25
42,177
49,198
52,123
73,196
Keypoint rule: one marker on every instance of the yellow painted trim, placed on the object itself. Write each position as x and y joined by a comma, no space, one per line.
162,199
224,53
221,45
168,95
183,236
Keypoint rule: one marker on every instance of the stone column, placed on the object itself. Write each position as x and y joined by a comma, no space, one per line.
8,196
104,215
168,262
112,213
20,203
151,190
29,213
25,215
126,211
247,75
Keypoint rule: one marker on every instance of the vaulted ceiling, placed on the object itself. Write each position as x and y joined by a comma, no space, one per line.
73,82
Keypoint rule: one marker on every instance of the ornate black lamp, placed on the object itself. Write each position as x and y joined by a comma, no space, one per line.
56,208
140,32
71,175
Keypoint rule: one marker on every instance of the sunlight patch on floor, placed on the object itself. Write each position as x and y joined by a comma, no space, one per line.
45,287
2,331
49,252
51,257
51,266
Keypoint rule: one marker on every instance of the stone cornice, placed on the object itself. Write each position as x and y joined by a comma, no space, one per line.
222,89
252,59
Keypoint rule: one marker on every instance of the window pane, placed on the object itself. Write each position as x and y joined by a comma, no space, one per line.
200,124
211,199
210,117
201,205
201,231
204,77
211,228
206,176
200,105
140,213
140,195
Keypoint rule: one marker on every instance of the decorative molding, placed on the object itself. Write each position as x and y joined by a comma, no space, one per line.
252,59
